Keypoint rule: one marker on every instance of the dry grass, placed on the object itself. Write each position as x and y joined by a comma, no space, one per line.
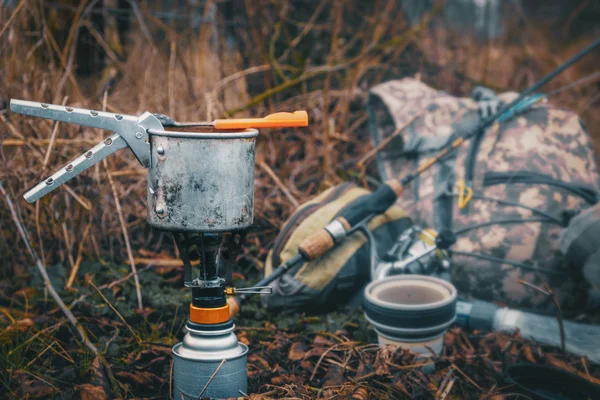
286,56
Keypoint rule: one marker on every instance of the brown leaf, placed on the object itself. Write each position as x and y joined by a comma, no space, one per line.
21,325
307,365
400,387
141,378
98,376
280,380
333,377
360,394
153,359
316,351
363,369
32,387
259,362
297,351
321,341
88,391
145,313
243,337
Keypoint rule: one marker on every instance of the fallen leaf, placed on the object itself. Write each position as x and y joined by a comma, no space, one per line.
297,351
32,387
98,376
333,377
243,338
317,351
145,313
21,325
143,378
321,341
88,391
363,369
259,361
360,394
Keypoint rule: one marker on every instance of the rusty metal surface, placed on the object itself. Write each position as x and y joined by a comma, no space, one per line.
201,182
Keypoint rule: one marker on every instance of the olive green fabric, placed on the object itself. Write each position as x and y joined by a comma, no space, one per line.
341,271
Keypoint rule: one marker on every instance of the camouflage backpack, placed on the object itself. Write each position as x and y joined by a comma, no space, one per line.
529,175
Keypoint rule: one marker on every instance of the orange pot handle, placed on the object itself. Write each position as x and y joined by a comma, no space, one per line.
277,120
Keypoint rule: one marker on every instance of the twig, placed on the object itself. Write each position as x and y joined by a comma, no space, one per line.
12,17
548,292
136,279
69,50
312,376
52,139
50,38
79,258
42,269
279,184
85,203
143,27
309,25
41,353
11,128
171,77
238,75
467,378
309,74
585,367
328,122
159,262
444,382
211,378
71,36
447,389
116,312
44,142
105,46
411,366
561,324
539,289
361,163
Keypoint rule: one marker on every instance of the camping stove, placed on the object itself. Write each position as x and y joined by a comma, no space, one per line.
200,187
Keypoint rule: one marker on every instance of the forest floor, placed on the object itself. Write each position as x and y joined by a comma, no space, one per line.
290,356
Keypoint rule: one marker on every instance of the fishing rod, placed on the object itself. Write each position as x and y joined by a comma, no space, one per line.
386,195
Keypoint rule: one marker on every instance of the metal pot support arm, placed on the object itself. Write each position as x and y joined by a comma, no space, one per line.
130,131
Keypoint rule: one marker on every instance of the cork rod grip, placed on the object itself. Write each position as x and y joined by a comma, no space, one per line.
316,245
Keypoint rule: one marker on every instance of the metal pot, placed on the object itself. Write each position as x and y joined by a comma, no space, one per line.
199,178
201,181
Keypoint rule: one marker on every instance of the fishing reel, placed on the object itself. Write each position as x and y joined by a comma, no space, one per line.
417,251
